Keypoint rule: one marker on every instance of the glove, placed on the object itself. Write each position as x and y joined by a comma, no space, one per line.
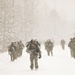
39,57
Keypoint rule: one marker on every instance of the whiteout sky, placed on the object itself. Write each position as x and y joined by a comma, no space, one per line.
66,8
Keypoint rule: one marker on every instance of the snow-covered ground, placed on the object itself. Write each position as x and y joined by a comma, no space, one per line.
60,64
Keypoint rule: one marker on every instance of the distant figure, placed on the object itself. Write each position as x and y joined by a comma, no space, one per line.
72,47
33,48
62,44
49,47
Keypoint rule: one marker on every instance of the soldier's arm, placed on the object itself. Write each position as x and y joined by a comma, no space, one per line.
39,54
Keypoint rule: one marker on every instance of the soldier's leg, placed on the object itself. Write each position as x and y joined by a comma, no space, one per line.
36,63
63,47
48,52
31,63
51,53
11,57
14,55
72,54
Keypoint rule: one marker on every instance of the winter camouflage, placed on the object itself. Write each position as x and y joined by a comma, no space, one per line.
15,50
72,47
49,47
33,48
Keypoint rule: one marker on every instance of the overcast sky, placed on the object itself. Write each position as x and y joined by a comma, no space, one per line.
65,8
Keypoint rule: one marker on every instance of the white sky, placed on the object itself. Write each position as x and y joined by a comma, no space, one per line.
66,9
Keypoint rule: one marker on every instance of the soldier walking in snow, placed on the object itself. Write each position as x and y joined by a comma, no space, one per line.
33,48
12,52
15,50
72,46
49,47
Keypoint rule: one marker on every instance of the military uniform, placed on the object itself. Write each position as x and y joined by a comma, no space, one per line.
15,50
11,51
72,47
49,47
34,52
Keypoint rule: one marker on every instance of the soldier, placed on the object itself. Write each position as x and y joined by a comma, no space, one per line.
49,47
15,50
34,51
72,47
20,48
11,51
63,44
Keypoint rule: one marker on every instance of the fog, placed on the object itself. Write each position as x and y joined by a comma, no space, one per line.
53,19
37,19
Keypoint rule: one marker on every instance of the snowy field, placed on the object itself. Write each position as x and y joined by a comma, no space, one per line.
60,64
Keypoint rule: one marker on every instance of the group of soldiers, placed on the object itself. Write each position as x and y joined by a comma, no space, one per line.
15,50
33,48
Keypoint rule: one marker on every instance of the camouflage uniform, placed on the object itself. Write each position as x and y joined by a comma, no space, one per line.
34,52
11,51
63,43
49,47
72,47
15,50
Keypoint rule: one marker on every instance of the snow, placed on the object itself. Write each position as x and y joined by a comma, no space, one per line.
60,63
